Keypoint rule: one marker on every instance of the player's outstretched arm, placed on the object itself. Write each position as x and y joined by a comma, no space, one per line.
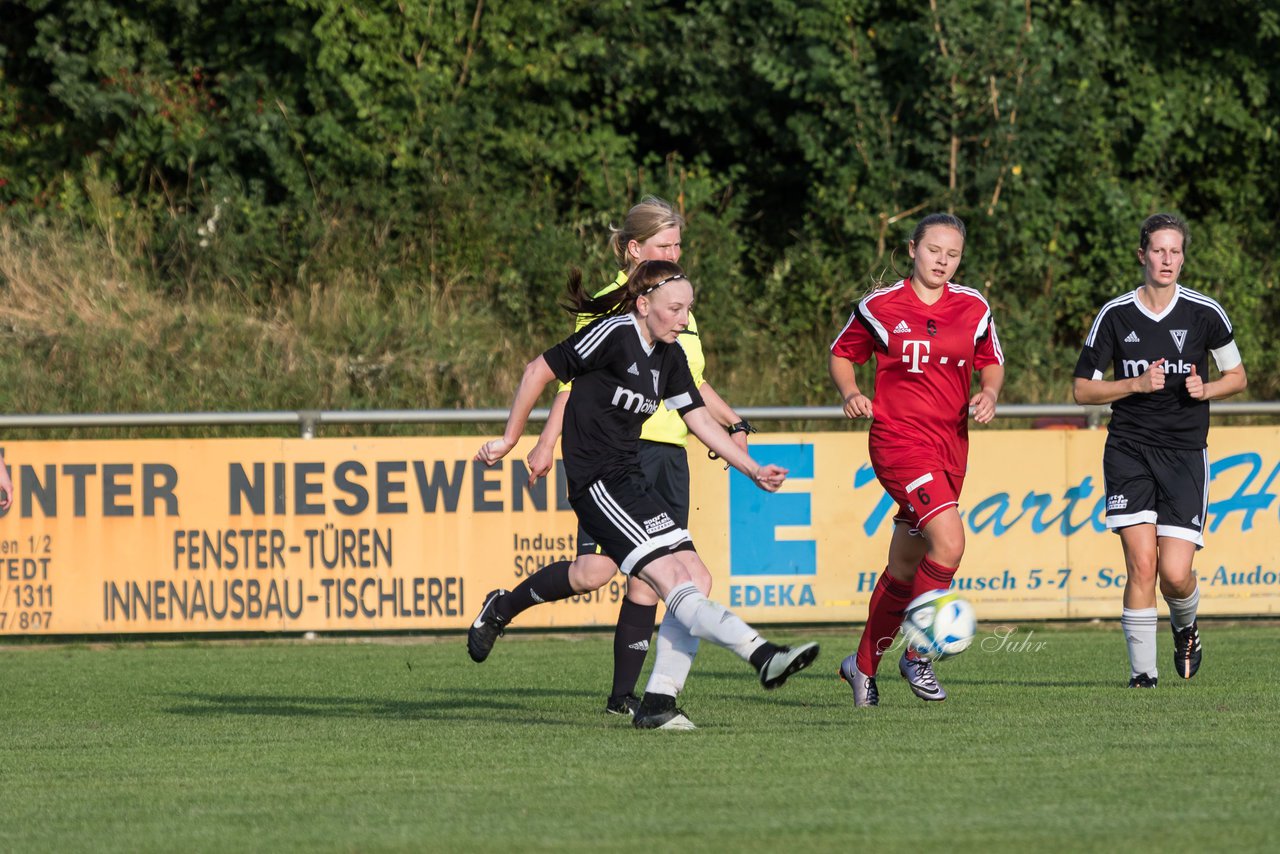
544,452
723,413
702,425
536,376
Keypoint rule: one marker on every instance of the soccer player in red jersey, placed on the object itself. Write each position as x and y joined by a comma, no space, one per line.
928,336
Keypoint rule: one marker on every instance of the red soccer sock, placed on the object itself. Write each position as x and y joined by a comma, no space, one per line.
931,576
884,618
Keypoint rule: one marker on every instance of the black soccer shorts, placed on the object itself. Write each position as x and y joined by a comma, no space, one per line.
628,521
666,471
1165,487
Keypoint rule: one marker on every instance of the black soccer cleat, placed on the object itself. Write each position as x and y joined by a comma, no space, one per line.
1186,650
624,705
658,711
486,629
1142,680
785,662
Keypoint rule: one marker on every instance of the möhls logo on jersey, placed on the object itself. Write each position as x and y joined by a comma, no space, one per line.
633,401
1138,367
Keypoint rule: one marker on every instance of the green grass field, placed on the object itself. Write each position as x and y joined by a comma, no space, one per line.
405,745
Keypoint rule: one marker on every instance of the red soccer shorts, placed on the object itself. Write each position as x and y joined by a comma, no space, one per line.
920,493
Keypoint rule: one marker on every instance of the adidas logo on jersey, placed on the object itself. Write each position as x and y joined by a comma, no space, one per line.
901,328
639,646
633,370
1132,339
1195,520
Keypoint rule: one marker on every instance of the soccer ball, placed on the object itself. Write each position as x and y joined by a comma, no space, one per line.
939,624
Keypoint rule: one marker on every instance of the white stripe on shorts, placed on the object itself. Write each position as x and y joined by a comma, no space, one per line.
628,527
1189,534
1204,502
1147,517
920,481
671,538
934,511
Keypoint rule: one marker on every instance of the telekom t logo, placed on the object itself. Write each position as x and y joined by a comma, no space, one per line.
917,353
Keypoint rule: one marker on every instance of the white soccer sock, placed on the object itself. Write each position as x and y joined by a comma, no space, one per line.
711,620
674,652
1139,627
1182,612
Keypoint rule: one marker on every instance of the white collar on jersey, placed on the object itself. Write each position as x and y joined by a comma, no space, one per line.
648,348
1142,307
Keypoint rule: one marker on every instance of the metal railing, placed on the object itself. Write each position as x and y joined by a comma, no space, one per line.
309,421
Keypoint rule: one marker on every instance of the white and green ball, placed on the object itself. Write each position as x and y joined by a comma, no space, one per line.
939,624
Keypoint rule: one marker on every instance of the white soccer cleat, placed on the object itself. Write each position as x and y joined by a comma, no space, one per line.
865,693
919,675
785,662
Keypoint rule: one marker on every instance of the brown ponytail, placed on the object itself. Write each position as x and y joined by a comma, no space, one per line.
643,280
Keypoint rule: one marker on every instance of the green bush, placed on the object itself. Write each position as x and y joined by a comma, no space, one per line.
315,203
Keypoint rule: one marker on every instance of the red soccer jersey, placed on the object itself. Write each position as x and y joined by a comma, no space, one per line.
925,356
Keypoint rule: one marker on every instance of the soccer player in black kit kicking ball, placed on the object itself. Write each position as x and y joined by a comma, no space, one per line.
621,365
1157,340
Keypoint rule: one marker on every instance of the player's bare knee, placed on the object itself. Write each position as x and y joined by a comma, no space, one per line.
1178,582
947,550
698,572
664,574
589,572
1141,570
640,593
1141,579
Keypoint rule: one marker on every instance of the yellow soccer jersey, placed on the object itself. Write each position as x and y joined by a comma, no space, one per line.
664,425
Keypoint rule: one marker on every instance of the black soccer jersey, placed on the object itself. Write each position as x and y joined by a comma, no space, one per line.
618,381
1129,337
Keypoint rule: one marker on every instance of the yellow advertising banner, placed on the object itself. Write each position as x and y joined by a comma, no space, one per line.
267,535
1033,510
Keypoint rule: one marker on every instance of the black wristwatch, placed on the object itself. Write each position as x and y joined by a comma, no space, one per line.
743,426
